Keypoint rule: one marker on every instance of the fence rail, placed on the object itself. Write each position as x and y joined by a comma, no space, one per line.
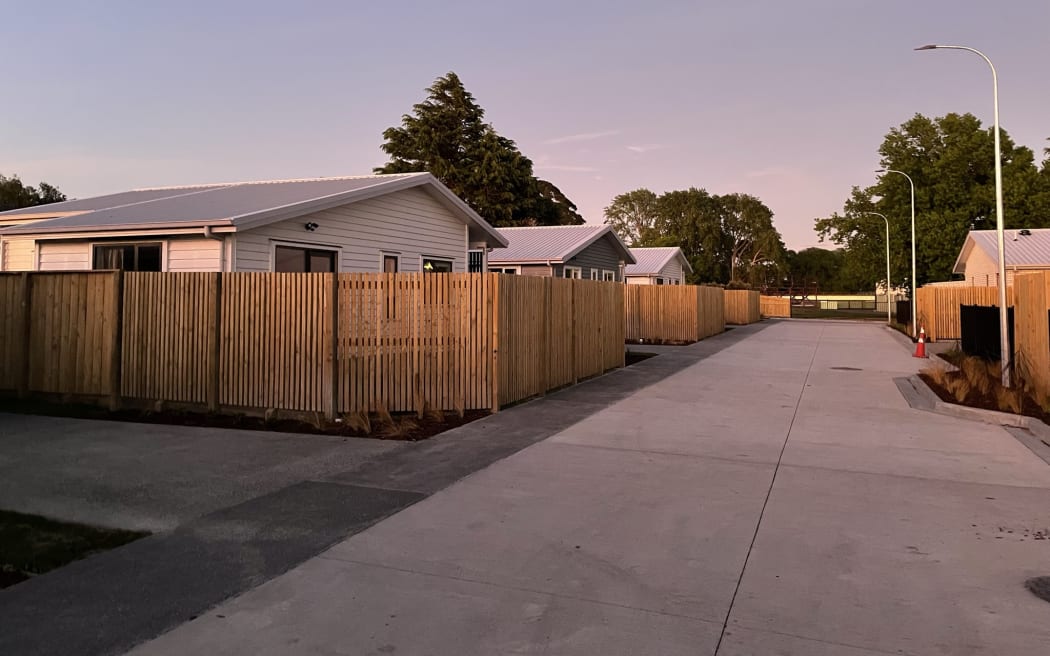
742,306
673,313
775,306
316,343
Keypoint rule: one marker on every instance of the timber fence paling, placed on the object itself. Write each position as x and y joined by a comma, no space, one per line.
775,306
937,307
742,306
1032,331
14,288
672,313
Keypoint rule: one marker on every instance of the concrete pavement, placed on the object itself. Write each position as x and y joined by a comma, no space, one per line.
776,497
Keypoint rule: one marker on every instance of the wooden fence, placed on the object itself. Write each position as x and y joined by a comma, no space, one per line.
316,343
775,306
742,306
937,307
1032,331
673,313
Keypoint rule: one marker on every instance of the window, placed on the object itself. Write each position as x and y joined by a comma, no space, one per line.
609,276
595,273
659,281
572,272
391,263
475,261
127,257
288,259
508,270
436,265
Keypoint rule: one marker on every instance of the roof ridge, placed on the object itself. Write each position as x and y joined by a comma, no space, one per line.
589,225
209,185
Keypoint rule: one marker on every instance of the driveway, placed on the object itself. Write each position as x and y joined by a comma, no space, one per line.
775,497
153,477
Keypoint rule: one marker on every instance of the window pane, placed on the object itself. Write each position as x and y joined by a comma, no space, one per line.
289,260
436,266
321,262
111,257
148,258
390,264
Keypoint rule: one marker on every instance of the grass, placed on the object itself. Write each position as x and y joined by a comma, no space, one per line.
800,312
31,545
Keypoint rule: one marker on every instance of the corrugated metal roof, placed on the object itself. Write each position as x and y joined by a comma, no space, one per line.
97,202
550,243
651,260
1021,250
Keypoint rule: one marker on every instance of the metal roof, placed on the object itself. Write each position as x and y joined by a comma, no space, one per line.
552,243
650,261
241,205
1031,250
97,202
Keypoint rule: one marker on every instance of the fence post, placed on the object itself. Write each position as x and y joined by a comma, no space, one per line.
334,410
215,346
494,296
572,309
117,341
27,332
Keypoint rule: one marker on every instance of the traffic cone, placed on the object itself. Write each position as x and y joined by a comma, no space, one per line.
920,347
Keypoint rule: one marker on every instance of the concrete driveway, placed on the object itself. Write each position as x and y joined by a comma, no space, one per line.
152,477
776,497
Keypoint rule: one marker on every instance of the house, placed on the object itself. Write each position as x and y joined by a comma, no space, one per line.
658,266
403,222
1026,250
589,252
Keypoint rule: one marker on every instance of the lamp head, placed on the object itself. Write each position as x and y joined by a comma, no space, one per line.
880,170
928,47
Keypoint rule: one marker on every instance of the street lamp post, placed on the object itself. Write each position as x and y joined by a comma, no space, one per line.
889,317
914,314
1004,337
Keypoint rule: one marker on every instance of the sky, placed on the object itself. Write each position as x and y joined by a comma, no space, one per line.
787,101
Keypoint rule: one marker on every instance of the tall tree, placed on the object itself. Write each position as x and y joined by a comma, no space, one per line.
951,159
15,195
633,215
447,135
752,241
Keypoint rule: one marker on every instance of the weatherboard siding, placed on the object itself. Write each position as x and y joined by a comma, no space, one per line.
64,255
18,254
600,255
409,222
672,271
193,255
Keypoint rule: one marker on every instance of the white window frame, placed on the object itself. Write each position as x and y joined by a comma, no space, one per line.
513,270
658,280
608,276
437,258
595,274
274,243
577,272
382,260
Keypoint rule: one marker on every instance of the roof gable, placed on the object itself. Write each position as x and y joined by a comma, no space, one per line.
1032,250
553,243
652,260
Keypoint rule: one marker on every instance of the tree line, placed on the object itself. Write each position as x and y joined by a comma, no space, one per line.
951,160
14,194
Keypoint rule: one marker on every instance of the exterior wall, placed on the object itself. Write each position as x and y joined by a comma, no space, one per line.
640,280
407,222
600,255
64,255
193,255
18,254
673,272
979,269
178,254
536,270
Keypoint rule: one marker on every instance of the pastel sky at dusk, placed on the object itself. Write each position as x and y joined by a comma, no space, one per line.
788,101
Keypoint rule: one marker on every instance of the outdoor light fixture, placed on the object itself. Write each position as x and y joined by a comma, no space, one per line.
310,227
1004,337
914,316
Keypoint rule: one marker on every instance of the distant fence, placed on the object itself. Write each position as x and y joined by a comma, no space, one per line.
775,306
937,308
742,306
673,313
318,343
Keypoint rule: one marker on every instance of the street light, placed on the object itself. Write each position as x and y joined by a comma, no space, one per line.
1004,337
889,317
914,314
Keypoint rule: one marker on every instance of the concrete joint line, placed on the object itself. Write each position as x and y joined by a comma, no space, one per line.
769,493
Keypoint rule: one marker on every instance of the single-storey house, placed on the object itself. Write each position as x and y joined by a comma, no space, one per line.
1026,250
401,222
658,266
588,252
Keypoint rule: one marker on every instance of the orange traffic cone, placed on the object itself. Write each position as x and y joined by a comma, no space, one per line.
920,347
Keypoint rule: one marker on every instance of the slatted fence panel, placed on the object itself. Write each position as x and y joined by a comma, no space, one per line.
937,308
712,311
588,318
1032,331
742,306
12,328
775,306
561,335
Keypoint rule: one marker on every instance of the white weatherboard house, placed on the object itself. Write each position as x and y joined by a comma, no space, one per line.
658,266
588,252
1026,250
403,222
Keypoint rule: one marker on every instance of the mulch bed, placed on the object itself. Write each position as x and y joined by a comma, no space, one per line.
31,545
975,399
409,427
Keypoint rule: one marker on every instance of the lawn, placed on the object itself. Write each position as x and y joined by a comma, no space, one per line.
31,545
798,312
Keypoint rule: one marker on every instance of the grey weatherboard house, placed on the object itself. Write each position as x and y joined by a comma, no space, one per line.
588,252
403,222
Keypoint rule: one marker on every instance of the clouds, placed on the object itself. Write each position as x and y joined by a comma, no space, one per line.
581,136
646,148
